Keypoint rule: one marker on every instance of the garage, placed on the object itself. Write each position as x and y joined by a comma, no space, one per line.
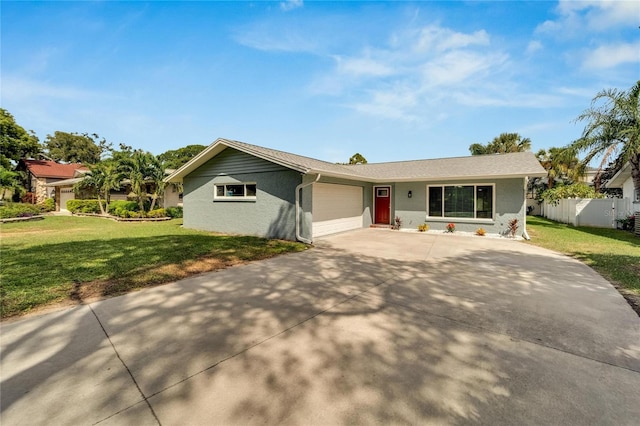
336,208
66,194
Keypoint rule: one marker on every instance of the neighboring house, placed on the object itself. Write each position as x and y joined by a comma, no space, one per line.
623,180
42,173
64,191
589,176
234,187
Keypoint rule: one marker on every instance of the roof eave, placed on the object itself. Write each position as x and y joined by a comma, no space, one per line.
424,179
619,178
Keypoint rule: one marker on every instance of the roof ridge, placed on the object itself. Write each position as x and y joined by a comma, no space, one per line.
443,158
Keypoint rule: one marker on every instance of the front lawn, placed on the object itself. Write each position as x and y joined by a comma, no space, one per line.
65,259
613,253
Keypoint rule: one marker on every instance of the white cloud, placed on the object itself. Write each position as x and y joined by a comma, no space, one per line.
283,41
410,77
18,88
457,67
533,47
363,66
395,103
438,39
612,55
291,4
594,15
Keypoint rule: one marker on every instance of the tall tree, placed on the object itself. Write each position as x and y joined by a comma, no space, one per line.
75,148
156,175
613,129
15,142
357,158
176,158
10,183
140,168
102,177
505,143
561,164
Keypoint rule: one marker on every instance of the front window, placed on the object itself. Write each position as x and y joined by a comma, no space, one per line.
465,201
235,191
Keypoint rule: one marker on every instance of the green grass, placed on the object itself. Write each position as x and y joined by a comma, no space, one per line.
64,259
613,253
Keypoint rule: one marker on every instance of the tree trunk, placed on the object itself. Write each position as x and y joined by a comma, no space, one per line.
100,204
153,202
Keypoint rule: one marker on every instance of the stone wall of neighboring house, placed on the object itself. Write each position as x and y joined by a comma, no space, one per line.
38,187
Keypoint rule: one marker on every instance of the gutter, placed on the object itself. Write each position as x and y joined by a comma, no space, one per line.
298,208
525,234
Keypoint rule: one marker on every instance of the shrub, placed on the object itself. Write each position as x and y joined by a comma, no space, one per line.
628,223
174,212
423,228
11,210
48,205
397,223
481,232
157,213
451,227
576,190
123,208
29,198
513,227
83,206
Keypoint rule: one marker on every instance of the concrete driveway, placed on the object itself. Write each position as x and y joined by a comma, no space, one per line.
369,327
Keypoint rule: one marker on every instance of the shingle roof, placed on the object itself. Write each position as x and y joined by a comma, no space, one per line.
477,166
51,169
485,166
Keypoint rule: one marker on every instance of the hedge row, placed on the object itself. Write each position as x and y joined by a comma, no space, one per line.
11,210
125,209
83,206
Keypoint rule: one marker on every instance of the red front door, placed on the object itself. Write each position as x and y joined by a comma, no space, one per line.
383,204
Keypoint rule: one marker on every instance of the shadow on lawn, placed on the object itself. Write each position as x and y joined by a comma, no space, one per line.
82,269
330,336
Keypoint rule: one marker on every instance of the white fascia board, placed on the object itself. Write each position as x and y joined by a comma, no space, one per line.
619,178
423,179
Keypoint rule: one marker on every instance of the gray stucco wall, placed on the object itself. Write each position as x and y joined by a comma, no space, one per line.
509,204
271,214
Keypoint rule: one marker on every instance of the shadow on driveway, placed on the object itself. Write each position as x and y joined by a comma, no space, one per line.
368,327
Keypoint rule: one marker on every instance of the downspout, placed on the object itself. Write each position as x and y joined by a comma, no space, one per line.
525,235
298,208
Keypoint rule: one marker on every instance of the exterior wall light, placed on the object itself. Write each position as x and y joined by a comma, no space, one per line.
409,194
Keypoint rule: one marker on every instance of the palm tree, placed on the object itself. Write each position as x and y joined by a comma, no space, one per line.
505,143
102,177
613,129
560,163
156,176
135,168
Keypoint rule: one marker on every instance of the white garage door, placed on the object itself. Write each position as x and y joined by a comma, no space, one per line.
66,194
336,208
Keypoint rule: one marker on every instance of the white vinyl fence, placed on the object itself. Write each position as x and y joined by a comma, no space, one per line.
600,213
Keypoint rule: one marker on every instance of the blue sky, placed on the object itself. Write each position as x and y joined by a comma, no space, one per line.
391,80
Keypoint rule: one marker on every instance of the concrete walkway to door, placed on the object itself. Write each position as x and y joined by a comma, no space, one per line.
369,327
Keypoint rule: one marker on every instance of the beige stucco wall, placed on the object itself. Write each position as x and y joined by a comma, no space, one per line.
171,197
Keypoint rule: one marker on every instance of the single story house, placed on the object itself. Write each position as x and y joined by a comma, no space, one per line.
42,173
235,187
622,179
